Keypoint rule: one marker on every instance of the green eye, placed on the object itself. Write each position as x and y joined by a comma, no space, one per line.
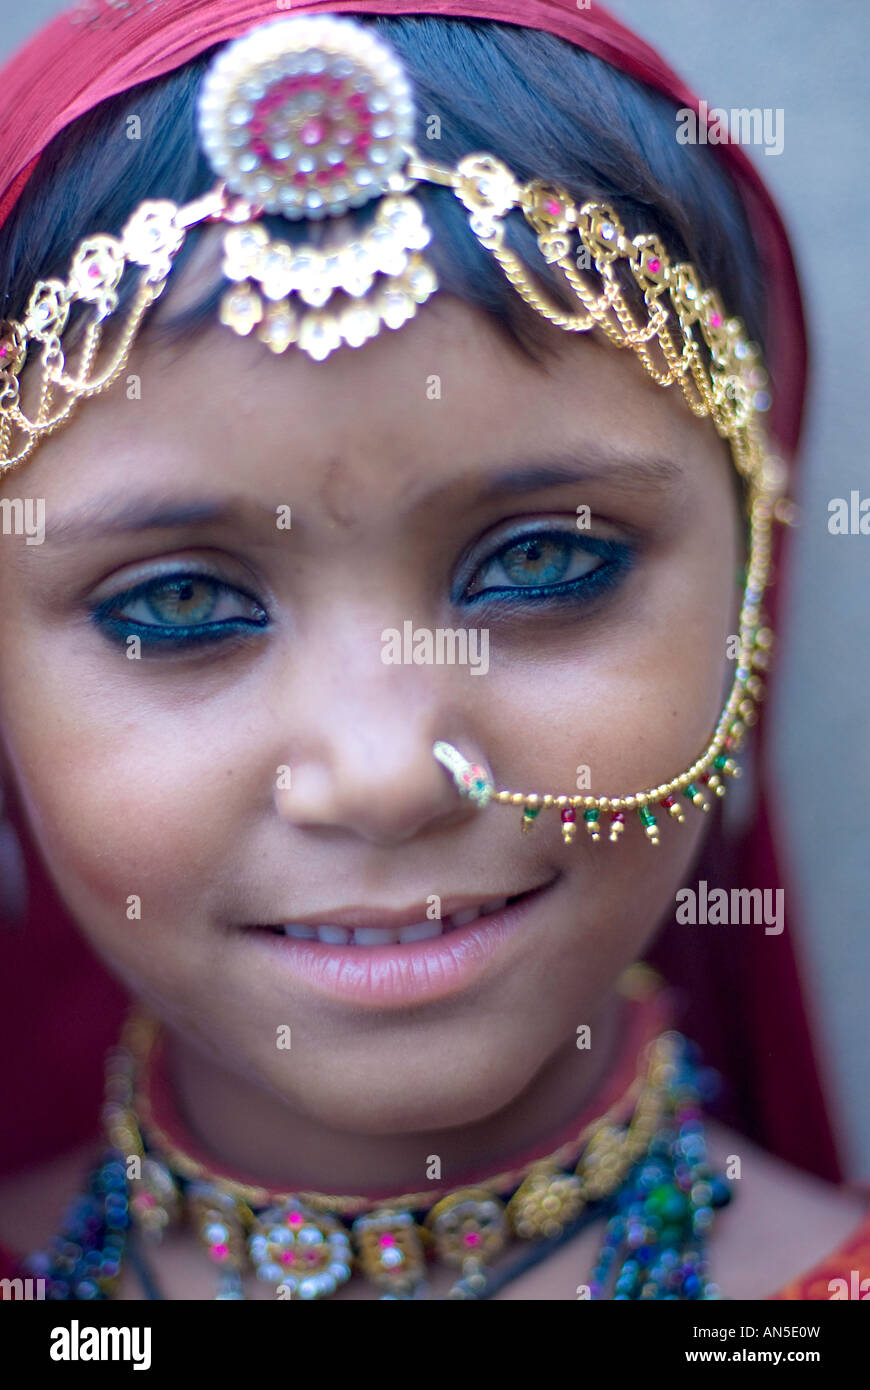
183,601
177,610
538,560
548,566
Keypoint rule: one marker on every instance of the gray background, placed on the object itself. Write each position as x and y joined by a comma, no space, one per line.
809,59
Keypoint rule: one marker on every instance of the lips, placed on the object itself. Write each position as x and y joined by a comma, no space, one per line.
385,959
425,930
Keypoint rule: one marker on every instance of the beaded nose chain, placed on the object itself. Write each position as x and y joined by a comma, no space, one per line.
309,117
641,1169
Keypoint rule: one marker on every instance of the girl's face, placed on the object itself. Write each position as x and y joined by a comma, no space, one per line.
432,482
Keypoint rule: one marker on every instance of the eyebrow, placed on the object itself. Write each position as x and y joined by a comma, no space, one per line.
618,469
116,518
124,516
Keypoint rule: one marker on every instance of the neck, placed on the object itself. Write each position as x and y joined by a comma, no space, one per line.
249,1133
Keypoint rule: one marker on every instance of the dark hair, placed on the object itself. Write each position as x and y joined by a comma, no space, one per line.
548,109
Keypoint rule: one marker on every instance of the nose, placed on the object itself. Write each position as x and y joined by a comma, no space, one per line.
367,766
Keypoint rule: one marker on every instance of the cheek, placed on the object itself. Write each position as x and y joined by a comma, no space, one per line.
627,703
123,794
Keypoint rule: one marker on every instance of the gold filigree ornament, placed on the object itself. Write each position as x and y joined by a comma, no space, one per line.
309,117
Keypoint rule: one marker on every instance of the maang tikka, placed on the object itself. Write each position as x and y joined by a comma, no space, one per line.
308,117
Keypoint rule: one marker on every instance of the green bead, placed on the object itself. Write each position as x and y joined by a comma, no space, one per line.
646,816
530,812
691,791
591,814
720,761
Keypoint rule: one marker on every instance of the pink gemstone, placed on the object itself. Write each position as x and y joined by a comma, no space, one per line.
552,207
287,1257
336,84
260,147
323,176
311,1256
716,320
340,167
312,132
387,1239
295,1218
300,179
219,1252
146,1199
654,264
472,1238
93,271
362,141
356,100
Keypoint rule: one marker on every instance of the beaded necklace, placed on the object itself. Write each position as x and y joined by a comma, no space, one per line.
641,1168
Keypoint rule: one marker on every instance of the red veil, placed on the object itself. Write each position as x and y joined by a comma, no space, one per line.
744,1006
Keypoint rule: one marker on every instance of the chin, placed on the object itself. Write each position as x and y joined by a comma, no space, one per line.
432,1090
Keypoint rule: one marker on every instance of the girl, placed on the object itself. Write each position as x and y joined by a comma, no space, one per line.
357,564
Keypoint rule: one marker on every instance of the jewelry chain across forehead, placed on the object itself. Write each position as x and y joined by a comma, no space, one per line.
309,117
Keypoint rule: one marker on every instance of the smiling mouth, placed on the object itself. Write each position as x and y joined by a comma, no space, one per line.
424,929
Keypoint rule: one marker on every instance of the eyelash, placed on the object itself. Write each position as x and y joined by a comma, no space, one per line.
169,636
616,560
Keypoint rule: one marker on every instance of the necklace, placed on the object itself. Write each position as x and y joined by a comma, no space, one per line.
641,1167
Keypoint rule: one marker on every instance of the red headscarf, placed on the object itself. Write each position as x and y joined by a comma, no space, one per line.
744,1006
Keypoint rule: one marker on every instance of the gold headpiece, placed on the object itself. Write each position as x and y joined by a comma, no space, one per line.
308,117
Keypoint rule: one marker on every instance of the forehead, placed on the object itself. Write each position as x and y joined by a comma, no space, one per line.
426,402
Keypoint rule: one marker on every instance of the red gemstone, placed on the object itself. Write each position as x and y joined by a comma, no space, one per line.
654,264
618,816
552,207
716,320
669,801
569,814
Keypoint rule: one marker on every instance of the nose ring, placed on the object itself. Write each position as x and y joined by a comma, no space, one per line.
471,780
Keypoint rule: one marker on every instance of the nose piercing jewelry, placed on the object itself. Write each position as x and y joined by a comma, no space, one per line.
471,779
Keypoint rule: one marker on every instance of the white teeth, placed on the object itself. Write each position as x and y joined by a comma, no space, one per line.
467,915
497,905
389,936
375,936
333,936
420,931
